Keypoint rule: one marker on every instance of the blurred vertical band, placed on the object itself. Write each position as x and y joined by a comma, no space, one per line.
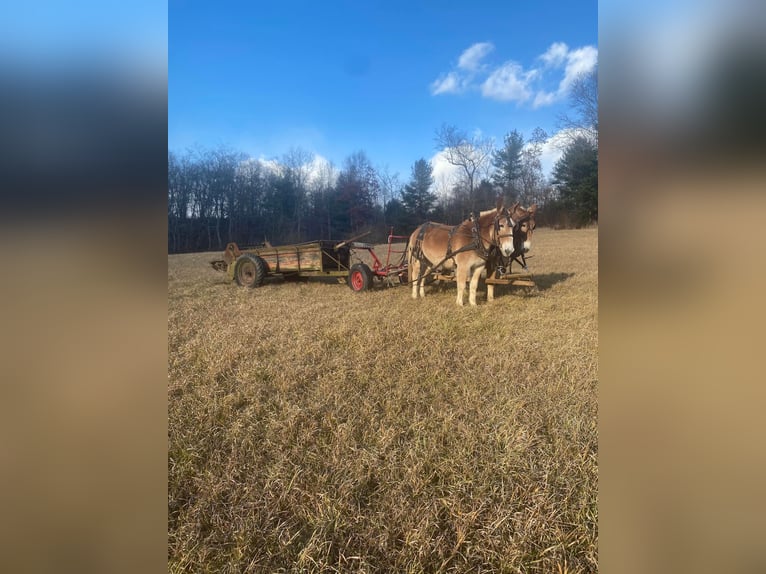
83,168
682,204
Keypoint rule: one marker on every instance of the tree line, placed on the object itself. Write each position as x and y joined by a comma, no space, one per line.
222,195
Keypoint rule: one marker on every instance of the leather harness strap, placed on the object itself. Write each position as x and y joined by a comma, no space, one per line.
476,245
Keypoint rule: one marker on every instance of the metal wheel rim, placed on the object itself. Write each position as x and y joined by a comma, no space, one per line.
247,272
357,280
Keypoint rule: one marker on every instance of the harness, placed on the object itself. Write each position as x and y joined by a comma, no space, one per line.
477,243
503,261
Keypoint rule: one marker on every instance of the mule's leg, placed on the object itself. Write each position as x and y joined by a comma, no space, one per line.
492,266
426,272
460,277
414,269
474,285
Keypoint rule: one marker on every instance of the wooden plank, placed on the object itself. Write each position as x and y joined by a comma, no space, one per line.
323,274
289,258
314,256
522,279
443,277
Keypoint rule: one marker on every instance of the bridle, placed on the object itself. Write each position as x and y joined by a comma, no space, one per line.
517,254
509,221
478,240
494,242
529,220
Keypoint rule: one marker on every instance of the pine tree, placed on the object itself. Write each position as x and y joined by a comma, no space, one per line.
507,162
417,199
576,176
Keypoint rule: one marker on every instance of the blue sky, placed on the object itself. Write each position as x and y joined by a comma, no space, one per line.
336,77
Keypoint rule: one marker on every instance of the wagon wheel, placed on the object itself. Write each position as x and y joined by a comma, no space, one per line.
360,277
249,270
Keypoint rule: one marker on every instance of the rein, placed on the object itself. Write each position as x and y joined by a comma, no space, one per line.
516,253
476,245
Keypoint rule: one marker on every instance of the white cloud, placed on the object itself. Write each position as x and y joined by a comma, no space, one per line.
555,55
318,170
553,149
269,165
543,85
575,62
580,61
447,84
471,58
445,174
507,83
551,152
468,65
544,99
321,171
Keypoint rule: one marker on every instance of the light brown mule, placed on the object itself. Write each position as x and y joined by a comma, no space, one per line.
464,248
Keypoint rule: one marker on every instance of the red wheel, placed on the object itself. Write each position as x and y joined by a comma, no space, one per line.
360,277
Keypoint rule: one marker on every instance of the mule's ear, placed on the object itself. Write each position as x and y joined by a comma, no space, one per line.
499,203
515,206
532,208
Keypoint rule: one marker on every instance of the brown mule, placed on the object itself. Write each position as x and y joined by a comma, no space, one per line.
464,247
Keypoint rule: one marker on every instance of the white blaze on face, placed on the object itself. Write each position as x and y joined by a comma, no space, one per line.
505,231
527,241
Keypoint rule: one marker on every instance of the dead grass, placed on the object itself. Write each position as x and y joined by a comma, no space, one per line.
315,429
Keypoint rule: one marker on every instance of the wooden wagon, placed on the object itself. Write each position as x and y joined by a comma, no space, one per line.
250,266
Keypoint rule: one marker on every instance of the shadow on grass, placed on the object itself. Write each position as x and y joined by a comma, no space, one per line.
543,281
547,280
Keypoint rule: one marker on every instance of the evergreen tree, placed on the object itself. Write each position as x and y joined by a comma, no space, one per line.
576,176
507,162
397,217
417,198
486,195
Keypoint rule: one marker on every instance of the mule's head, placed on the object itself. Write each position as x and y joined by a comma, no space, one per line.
523,237
503,231
524,227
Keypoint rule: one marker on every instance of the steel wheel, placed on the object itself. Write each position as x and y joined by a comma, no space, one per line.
360,277
249,270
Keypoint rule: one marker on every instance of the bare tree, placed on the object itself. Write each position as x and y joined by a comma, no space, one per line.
357,194
472,155
297,162
532,184
583,99
531,179
322,186
389,186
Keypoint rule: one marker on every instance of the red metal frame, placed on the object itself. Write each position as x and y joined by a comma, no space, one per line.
385,270
380,269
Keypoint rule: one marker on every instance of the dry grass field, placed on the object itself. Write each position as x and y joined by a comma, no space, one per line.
314,429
